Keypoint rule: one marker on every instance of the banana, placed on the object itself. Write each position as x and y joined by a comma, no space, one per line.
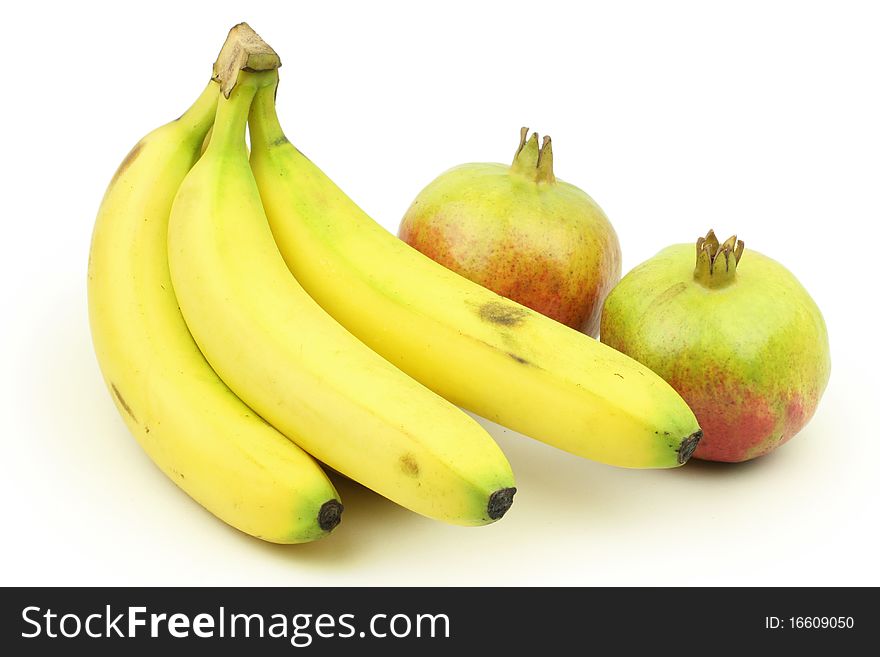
473,347
190,424
296,366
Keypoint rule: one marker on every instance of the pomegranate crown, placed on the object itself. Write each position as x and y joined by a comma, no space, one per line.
532,161
716,261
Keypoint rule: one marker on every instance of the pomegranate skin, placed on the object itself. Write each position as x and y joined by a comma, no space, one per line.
748,353
522,233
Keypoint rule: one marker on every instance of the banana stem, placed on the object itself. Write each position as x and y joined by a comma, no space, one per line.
231,118
245,65
232,112
264,124
244,50
199,117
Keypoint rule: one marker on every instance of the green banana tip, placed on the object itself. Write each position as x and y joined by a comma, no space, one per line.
330,515
499,502
688,447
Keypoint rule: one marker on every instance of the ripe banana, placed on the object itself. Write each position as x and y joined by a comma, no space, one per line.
193,427
296,366
477,349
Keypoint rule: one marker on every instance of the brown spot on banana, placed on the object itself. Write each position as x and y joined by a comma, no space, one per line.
131,157
409,465
122,402
497,312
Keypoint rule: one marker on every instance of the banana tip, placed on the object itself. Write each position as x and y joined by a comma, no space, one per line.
330,515
499,502
688,446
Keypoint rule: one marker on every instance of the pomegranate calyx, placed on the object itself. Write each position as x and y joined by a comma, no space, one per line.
716,262
545,162
532,161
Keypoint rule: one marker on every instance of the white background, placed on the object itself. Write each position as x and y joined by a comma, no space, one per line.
756,118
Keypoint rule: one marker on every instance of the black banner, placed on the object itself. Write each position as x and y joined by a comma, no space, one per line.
279,621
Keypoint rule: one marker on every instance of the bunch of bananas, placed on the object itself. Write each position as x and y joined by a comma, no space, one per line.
249,319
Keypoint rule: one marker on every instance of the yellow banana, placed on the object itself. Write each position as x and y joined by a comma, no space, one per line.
477,349
296,366
193,427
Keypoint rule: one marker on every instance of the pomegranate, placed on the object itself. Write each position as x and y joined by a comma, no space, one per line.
735,334
521,232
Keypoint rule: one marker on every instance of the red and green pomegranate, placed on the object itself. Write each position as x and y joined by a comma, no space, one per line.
734,333
521,232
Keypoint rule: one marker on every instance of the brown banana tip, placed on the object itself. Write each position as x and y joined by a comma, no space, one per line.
688,446
330,515
499,502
